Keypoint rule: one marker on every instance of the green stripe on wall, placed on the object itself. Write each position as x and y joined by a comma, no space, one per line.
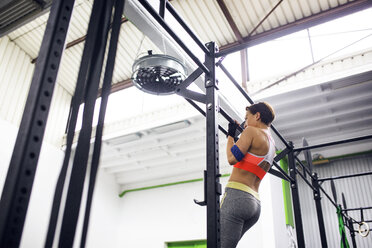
165,185
188,244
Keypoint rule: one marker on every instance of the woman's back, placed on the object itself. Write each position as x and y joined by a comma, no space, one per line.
257,151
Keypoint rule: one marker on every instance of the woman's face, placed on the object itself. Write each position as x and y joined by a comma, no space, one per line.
250,119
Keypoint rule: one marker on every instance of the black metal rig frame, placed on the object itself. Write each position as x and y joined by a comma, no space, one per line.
20,177
316,182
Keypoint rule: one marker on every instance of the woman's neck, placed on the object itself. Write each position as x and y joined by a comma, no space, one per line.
262,126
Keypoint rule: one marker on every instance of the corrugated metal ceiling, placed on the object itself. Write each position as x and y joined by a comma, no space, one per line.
205,17
14,13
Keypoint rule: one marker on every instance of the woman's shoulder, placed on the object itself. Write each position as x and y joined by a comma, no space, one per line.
251,129
254,132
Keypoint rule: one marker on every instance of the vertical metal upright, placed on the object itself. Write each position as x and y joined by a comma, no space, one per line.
97,34
319,212
213,180
296,200
351,230
21,173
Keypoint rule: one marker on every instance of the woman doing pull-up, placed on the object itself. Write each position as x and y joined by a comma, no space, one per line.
252,156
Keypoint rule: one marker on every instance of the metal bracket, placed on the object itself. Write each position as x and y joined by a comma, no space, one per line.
219,186
203,203
189,94
277,173
282,154
191,78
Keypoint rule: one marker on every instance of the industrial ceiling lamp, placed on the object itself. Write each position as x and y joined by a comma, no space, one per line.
158,74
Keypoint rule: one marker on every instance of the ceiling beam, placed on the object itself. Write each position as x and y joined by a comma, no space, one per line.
264,19
244,68
81,39
239,37
230,20
124,84
307,22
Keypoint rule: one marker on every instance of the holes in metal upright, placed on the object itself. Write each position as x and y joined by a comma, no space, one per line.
18,185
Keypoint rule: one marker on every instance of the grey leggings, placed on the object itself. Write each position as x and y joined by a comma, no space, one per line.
239,212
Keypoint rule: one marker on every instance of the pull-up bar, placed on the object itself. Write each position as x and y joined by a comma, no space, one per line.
346,176
333,143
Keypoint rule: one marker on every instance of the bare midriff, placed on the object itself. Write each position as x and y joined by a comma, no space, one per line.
246,177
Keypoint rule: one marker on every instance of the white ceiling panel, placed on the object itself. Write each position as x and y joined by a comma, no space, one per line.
205,17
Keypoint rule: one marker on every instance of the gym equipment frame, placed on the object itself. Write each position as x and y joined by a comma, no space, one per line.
20,177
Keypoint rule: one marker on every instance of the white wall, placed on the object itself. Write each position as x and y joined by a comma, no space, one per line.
104,213
105,207
43,188
152,217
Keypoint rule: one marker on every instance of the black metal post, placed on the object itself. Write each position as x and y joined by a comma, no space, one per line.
106,86
97,37
162,7
23,164
77,99
296,200
352,233
319,211
204,114
213,181
349,224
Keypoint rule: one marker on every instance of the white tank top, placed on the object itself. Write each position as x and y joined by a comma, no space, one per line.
269,157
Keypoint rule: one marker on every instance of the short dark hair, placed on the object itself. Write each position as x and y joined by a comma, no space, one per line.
266,111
